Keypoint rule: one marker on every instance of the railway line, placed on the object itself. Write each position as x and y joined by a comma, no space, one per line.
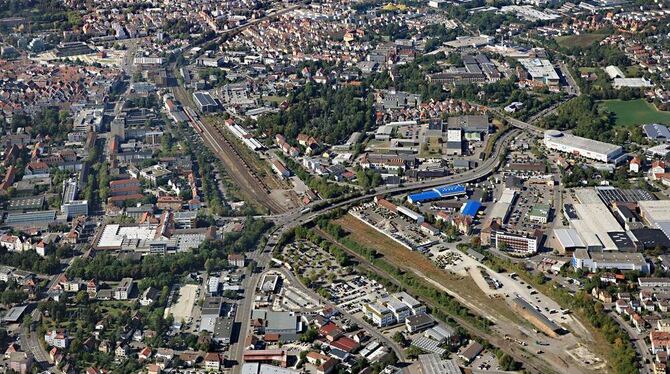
239,170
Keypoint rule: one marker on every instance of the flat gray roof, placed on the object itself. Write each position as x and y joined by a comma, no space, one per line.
618,257
14,314
568,238
204,98
280,321
582,143
546,321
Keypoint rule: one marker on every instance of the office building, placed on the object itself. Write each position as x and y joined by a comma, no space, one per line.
380,315
75,208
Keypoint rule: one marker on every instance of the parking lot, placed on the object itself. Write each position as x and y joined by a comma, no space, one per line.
182,310
353,293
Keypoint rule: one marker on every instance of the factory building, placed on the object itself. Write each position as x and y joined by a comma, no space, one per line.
418,218
594,261
568,239
205,102
541,70
595,224
592,149
503,206
656,213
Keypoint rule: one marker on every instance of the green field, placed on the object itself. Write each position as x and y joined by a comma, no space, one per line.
635,112
583,40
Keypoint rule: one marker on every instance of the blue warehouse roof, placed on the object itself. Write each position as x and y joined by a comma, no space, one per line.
455,189
423,196
470,208
436,193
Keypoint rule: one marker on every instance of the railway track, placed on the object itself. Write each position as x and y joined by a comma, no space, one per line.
529,362
239,170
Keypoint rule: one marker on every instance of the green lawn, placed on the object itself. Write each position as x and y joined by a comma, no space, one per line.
583,40
635,112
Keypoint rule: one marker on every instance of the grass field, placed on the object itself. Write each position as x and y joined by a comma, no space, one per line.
635,112
583,40
401,257
432,149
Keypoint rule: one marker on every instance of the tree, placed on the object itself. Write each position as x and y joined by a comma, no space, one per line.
81,298
310,335
209,265
399,338
413,352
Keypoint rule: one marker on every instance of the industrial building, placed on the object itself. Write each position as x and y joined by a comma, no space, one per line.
14,314
40,218
596,225
503,206
470,208
540,70
211,311
656,213
205,102
594,261
266,356
434,364
470,41
656,131
588,148
414,216
474,126
568,239
286,325
632,82
437,193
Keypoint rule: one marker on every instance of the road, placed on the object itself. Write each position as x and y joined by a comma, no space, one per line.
573,87
531,362
372,330
30,341
638,342
289,220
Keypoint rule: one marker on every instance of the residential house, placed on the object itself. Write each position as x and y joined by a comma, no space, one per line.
236,259
212,361
56,338
145,353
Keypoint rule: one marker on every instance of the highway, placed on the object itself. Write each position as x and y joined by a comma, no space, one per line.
289,220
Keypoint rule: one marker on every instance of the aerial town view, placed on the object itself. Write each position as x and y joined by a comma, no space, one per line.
335,187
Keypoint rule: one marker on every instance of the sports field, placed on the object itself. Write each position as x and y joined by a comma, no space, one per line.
635,112
583,40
